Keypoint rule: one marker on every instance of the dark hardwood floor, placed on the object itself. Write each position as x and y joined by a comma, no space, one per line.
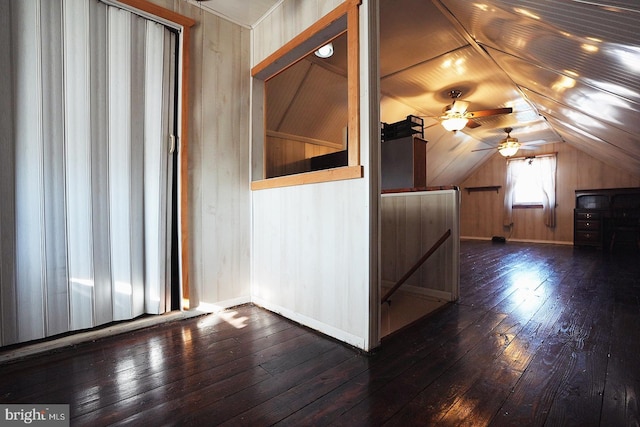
541,335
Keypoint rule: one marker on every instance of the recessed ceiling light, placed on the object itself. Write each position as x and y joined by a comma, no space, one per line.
325,51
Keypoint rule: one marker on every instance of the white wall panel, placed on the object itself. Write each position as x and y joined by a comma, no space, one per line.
311,248
219,162
311,256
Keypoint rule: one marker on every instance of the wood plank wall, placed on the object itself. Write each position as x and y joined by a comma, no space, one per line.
481,212
411,224
285,156
219,160
285,22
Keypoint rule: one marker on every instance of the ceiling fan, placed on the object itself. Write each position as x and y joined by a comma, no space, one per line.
455,115
509,146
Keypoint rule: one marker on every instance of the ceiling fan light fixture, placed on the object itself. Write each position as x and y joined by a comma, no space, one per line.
509,147
454,123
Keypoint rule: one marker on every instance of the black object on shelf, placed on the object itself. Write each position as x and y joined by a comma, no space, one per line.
411,126
329,161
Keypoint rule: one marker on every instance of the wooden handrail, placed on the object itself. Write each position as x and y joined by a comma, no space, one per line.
417,265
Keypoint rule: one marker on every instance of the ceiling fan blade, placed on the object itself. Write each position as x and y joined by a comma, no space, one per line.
485,149
492,112
431,125
535,142
459,107
472,124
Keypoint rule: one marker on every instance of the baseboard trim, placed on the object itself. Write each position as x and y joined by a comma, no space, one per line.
544,242
314,324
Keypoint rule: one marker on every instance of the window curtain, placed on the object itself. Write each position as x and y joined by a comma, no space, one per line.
514,168
545,170
547,174
85,166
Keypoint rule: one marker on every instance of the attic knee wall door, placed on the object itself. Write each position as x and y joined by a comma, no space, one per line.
85,212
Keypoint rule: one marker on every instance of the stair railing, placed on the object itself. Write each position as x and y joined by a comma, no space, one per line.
416,266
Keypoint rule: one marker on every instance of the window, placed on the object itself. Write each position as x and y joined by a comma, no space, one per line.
309,129
531,182
528,187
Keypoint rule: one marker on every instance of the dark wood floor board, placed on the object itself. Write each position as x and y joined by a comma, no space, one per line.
531,398
526,271
152,367
168,403
519,345
214,367
234,405
621,400
390,361
203,370
449,361
514,344
542,335
571,356
114,349
578,397
293,400
484,398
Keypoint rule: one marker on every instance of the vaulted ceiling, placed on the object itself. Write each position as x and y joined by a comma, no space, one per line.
569,69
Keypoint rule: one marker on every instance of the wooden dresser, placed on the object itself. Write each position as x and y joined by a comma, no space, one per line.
597,213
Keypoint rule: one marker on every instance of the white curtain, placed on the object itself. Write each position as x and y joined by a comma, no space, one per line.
547,168
87,115
545,171
514,168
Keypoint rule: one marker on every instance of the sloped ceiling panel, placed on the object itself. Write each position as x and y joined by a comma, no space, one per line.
608,107
595,43
413,32
286,87
426,85
578,62
611,137
327,92
290,94
454,154
593,146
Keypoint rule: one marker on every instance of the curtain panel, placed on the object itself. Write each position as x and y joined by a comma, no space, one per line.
86,214
545,173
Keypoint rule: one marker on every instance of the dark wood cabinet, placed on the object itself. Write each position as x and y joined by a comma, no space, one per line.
587,228
404,163
597,214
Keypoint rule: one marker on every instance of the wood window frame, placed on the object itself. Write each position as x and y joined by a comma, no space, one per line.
296,49
185,23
